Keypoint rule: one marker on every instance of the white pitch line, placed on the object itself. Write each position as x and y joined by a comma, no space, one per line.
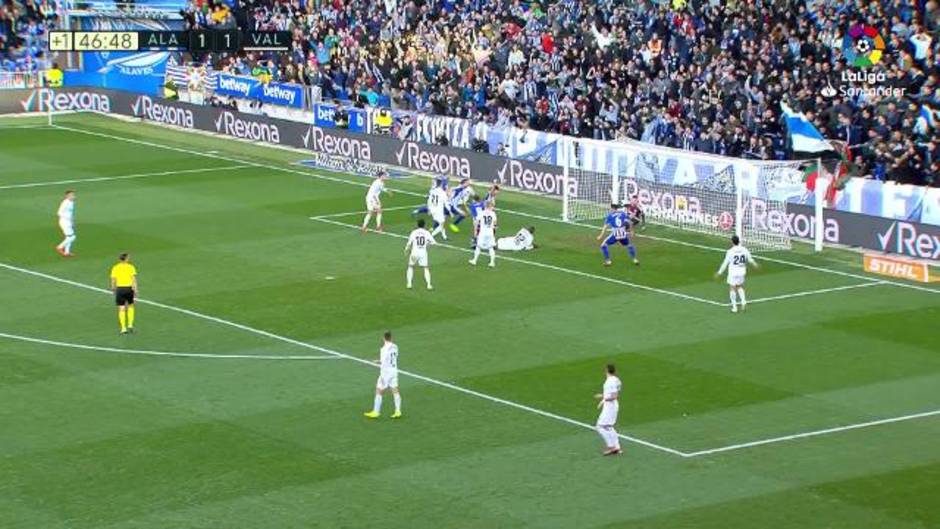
145,352
813,433
350,213
331,352
121,177
541,217
546,266
813,292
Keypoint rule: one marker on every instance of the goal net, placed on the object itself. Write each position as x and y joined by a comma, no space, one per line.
690,191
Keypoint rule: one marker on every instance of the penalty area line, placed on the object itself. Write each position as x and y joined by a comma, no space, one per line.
144,352
814,433
351,213
338,354
814,292
545,266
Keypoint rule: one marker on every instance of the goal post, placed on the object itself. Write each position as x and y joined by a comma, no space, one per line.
690,191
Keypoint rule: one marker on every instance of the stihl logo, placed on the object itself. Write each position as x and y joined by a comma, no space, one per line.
229,123
895,267
320,140
515,174
412,156
45,100
907,241
155,111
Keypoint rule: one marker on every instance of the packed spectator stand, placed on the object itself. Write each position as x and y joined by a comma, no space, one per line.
706,76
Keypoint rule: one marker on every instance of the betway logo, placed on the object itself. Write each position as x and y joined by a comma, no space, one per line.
156,111
793,224
320,140
412,156
230,124
275,91
45,100
907,241
234,84
515,174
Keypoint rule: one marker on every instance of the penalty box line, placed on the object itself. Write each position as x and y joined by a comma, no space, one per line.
338,354
309,173
814,292
546,266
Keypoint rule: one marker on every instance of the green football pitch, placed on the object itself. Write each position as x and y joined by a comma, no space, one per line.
238,403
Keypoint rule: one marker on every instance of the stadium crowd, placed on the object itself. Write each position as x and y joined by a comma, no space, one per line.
23,27
703,75
706,76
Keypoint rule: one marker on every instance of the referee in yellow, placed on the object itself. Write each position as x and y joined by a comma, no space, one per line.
124,286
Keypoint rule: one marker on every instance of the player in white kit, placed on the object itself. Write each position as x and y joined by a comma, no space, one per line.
374,202
437,202
388,378
523,240
66,214
608,403
418,243
486,234
736,260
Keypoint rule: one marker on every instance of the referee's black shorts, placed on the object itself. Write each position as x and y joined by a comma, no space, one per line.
123,296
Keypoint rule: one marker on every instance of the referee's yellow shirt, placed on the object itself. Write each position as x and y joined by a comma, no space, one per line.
123,274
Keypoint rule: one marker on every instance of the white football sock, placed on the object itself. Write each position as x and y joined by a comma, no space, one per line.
734,299
378,219
492,256
476,253
603,433
614,438
68,243
743,299
365,223
410,275
397,397
377,405
427,277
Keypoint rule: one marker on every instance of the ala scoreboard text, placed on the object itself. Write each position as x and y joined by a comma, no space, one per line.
219,41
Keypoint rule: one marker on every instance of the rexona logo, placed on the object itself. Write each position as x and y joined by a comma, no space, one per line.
276,91
413,156
156,111
903,238
794,224
515,174
45,100
320,140
232,125
234,84
666,203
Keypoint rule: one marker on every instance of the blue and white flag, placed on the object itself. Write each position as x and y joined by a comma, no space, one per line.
926,120
802,134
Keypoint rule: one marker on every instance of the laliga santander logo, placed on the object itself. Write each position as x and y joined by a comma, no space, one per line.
862,46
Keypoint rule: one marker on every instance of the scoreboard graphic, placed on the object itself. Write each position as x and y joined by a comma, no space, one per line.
218,41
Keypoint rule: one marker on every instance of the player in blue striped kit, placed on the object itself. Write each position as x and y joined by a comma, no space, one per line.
618,221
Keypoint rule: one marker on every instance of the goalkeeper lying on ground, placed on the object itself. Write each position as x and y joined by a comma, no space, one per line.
524,240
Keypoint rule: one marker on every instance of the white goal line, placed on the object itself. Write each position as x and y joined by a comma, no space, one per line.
309,173
95,179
